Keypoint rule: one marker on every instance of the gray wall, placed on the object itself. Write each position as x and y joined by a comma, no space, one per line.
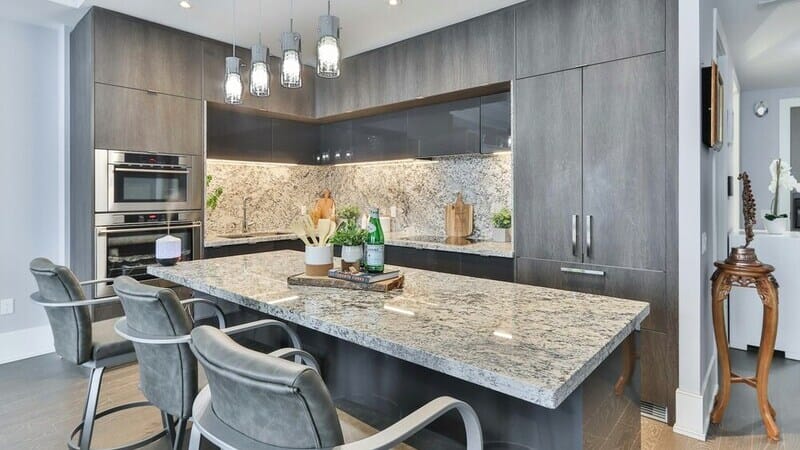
29,163
760,139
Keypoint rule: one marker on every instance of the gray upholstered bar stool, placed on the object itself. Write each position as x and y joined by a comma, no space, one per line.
78,340
257,401
157,324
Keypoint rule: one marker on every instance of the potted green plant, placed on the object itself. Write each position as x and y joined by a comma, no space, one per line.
212,195
348,213
502,226
351,237
782,179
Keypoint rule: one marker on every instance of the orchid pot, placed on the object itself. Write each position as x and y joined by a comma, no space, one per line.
777,222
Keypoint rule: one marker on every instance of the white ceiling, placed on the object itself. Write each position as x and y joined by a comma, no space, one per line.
366,24
764,42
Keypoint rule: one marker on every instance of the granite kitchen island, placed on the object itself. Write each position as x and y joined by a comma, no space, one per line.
542,367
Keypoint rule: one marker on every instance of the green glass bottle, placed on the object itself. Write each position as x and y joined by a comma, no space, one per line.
374,244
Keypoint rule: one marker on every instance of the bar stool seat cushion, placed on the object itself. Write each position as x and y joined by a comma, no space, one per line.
106,343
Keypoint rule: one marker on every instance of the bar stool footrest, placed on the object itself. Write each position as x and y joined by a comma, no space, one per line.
138,444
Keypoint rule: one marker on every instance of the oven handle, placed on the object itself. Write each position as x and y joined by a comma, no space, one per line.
180,171
104,231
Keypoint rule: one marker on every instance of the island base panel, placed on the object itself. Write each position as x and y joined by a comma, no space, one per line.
380,389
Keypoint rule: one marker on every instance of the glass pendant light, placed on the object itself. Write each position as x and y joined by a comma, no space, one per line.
291,65
259,68
328,54
233,77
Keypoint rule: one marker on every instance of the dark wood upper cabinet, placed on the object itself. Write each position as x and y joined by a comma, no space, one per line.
238,134
553,35
133,53
466,55
294,142
624,162
548,167
446,129
335,139
496,123
381,137
130,119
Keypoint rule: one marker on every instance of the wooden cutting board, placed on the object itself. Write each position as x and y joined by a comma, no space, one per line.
458,218
302,279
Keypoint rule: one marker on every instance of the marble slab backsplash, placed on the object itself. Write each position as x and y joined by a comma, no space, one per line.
419,189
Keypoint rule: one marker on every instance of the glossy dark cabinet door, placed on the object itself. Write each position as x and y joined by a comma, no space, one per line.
238,134
294,142
496,123
336,143
451,128
381,138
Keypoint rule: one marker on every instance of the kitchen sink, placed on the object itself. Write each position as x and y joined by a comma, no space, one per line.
254,234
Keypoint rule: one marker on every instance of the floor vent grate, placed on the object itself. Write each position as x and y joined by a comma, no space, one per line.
653,411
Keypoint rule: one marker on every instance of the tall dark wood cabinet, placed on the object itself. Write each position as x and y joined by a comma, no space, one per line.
595,165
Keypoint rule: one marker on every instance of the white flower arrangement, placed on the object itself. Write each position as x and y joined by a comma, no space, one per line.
782,178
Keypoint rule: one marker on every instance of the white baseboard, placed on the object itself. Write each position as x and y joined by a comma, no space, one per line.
25,343
693,411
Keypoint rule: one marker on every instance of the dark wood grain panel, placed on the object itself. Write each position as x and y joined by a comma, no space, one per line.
129,119
655,361
133,53
624,162
547,166
81,157
554,35
643,285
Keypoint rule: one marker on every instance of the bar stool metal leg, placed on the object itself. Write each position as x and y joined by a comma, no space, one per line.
90,411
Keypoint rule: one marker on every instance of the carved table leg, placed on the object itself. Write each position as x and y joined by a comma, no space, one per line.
628,364
720,289
769,331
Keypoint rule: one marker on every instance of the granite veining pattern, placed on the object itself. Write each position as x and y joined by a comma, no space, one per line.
533,343
483,248
419,189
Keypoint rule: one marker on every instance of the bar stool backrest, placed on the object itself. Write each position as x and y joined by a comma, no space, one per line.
72,327
268,399
167,373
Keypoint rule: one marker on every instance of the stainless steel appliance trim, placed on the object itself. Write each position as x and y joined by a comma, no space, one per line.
118,157
100,181
575,235
597,273
143,170
589,235
104,230
118,219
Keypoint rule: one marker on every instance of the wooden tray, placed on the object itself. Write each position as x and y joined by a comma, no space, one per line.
302,279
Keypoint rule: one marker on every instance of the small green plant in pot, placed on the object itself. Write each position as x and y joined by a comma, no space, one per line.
349,213
502,226
212,195
351,237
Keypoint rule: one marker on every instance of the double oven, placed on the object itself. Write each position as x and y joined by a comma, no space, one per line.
139,198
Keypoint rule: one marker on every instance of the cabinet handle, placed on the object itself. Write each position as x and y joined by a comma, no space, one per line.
151,92
596,273
575,235
588,235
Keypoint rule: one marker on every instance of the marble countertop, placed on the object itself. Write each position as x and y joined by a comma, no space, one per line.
529,342
397,239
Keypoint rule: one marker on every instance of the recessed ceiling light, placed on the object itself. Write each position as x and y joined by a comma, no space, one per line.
185,4
395,2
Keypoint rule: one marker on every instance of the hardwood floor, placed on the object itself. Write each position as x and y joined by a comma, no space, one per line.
741,427
42,400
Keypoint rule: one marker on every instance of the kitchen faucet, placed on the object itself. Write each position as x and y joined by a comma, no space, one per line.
245,224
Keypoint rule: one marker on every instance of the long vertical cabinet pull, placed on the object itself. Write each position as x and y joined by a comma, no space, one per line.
588,236
575,235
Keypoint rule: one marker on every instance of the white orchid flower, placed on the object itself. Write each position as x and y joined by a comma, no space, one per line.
782,177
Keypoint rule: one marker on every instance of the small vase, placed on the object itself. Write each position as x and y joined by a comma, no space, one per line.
351,257
777,226
501,234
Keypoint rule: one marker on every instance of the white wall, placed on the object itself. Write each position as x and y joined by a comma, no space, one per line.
32,141
704,217
760,139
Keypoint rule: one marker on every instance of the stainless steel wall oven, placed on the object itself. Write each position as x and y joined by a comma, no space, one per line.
135,181
125,243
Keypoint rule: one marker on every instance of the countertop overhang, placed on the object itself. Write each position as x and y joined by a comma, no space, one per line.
532,343
396,239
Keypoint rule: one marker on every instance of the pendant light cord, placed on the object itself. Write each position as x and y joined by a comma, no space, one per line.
260,18
234,28
329,7
291,16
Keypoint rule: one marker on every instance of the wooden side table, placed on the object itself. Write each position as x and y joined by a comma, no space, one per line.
743,269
